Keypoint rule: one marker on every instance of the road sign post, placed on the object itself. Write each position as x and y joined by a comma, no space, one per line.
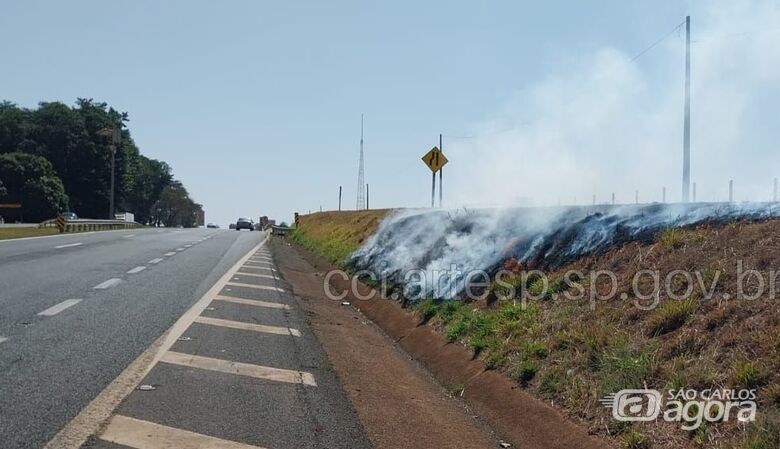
435,160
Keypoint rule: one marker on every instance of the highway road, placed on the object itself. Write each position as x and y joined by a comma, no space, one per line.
75,310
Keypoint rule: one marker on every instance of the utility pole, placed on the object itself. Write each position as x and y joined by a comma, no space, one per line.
441,181
433,189
114,134
687,112
694,192
775,197
594,199
731,191
663,195
636,197
613,198
339,198
367,197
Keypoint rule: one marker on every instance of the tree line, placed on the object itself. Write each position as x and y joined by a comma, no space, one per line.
56,158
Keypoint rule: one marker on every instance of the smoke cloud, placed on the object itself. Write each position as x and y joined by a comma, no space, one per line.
606,124
442,243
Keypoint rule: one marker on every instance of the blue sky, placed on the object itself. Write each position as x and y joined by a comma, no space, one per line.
256,104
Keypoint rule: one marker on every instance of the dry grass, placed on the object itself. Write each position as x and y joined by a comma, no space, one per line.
571,355
336,235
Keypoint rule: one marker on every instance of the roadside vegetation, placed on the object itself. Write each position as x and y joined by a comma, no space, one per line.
336,235
16,233
54,158
573,353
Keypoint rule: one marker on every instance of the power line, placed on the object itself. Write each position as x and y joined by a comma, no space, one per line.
654,44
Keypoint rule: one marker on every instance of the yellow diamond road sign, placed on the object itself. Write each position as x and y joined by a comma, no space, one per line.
435,159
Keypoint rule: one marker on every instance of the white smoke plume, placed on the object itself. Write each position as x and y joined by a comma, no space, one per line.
608,124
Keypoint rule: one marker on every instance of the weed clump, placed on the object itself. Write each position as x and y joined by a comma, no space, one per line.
670,316
672,239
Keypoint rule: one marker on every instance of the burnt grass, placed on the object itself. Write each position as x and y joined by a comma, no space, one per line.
572,352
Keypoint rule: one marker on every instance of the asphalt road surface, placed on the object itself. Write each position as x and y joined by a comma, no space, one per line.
75,310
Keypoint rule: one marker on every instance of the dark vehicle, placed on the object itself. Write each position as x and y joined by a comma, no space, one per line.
212,226
245,223
69,216
232,226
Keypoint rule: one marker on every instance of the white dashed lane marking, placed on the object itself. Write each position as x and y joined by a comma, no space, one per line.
69,245
3,339
157,260
129,236
140,434
172,253
238,368
180,249
108,284
136,270
248,326
53,310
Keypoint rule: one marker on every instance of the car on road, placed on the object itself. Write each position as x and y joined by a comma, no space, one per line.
232,226
245,223
212,226
69,216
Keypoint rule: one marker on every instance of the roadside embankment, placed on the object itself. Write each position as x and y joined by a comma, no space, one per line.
663,301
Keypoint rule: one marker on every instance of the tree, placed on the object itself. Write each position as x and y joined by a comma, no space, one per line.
70,138
32,181
175,207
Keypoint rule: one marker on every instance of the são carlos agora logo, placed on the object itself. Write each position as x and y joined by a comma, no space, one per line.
688,407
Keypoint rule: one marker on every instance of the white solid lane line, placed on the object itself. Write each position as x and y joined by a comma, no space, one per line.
248,326
241,369
140,434
108,284
69,245
136,270
129,236
172,253
157,260
51,311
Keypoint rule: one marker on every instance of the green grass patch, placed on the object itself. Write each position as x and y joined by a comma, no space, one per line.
335,249
672,238
670,316
525,372
635,440
624,366
17,233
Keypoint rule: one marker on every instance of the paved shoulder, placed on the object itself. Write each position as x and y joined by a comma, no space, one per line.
240,370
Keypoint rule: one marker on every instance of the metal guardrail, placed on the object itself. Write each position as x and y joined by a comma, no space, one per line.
82,225
281,230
